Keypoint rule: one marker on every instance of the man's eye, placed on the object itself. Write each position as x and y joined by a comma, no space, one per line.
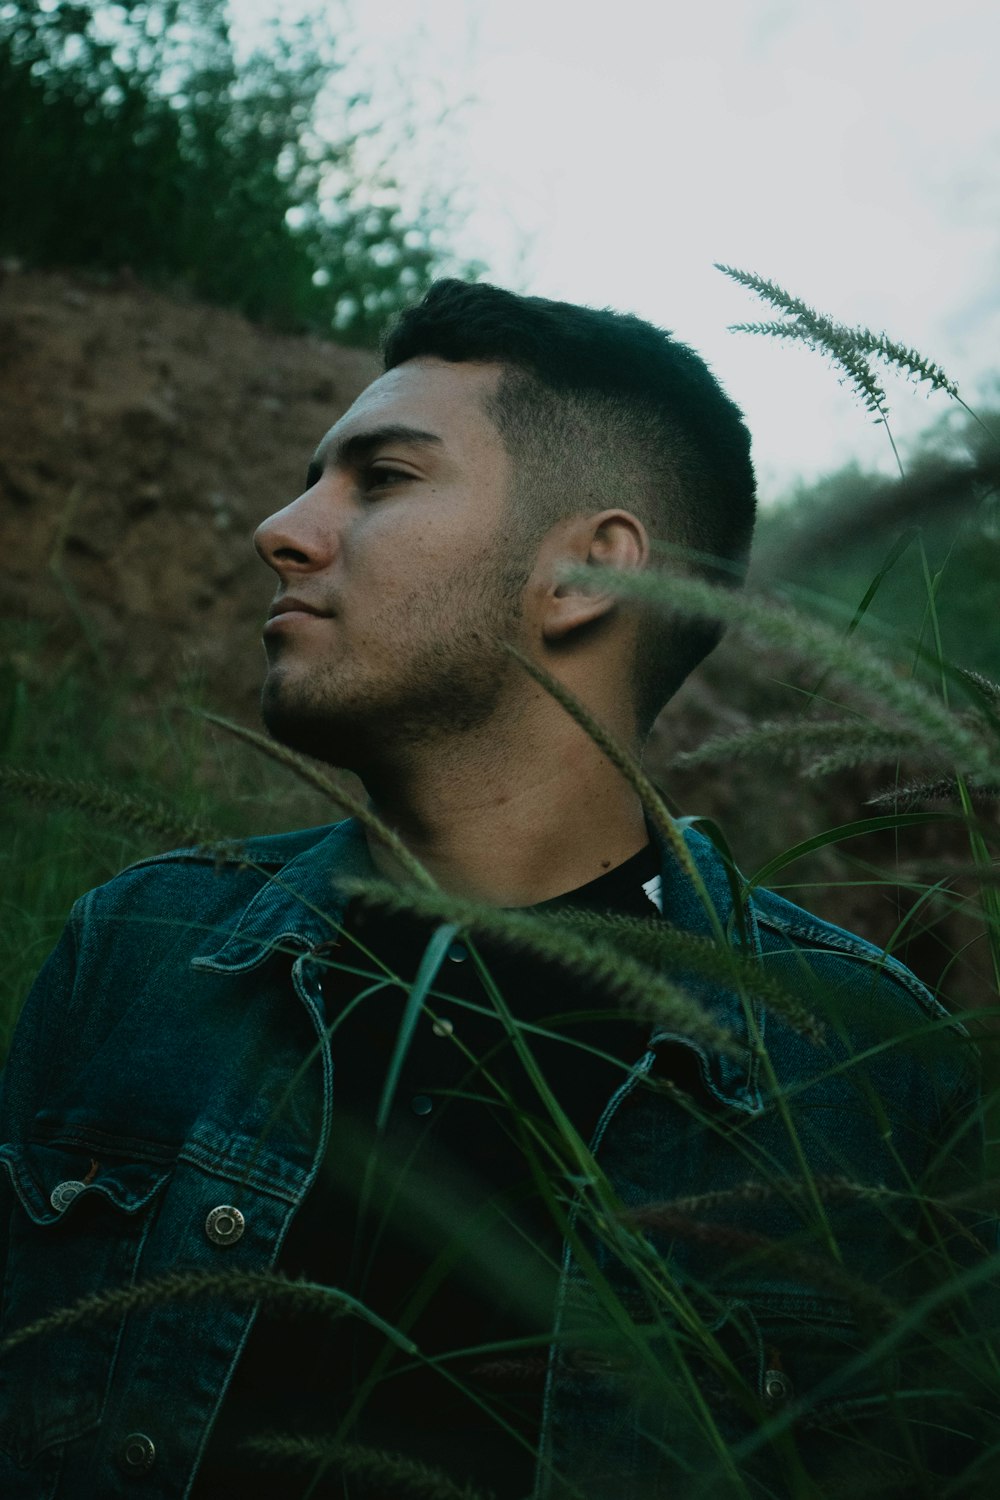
384,476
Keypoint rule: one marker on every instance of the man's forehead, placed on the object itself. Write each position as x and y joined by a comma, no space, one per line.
442,397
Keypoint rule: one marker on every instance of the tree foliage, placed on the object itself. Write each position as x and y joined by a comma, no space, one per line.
862,539
135,135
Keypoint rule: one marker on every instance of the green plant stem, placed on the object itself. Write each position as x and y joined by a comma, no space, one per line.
337,791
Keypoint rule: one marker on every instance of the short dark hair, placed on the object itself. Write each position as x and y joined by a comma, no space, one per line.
599,408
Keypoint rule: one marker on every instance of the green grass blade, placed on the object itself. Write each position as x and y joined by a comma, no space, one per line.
846,831
430,964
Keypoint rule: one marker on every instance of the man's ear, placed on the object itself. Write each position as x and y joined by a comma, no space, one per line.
609,539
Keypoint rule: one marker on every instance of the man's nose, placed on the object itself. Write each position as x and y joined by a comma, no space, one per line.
301,538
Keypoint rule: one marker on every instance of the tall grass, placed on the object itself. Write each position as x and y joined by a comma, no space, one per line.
919,1358
93,777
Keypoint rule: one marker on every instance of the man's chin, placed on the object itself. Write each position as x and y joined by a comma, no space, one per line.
323,737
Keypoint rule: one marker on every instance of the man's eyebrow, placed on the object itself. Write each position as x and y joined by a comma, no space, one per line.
358,446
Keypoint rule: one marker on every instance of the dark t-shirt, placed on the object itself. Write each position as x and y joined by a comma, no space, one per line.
445,1223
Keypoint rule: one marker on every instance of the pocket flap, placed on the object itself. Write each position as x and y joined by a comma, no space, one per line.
53,1182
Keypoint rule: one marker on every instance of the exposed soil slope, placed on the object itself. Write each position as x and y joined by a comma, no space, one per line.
141,441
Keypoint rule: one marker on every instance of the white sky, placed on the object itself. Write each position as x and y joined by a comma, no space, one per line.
610,153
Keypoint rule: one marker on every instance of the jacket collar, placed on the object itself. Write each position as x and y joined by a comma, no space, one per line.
730,1077
299,908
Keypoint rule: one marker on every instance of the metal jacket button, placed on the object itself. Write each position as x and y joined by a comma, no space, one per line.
63,1194
137,1453
777,1389
225,1225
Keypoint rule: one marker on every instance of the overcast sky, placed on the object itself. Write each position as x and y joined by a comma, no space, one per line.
610,153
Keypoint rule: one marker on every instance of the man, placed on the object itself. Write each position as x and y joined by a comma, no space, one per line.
565,1251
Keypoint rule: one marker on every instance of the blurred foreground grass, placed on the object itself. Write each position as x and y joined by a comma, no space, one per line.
70,723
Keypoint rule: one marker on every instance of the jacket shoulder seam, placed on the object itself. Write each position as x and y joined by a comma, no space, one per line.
855,948
198,857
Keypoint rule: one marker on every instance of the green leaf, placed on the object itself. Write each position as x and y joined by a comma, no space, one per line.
840,834
430,964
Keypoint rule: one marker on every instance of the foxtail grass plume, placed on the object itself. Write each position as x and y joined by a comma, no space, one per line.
638,990
818,745
105,804
269,1288
658,943
928,720
379,1472
337,791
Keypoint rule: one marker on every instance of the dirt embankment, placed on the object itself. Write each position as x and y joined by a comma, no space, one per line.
143,438
141,441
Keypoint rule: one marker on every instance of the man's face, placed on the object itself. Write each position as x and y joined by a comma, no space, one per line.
401,547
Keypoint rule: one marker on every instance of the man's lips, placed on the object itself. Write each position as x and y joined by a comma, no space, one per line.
291,606
289,609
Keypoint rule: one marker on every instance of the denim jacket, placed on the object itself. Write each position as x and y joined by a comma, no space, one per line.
148,1087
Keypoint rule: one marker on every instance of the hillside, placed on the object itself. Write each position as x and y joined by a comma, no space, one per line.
141,441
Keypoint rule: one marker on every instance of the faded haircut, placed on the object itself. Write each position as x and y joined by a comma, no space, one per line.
600,409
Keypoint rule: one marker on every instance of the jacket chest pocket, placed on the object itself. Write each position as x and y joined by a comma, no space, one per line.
76,1226
813,1374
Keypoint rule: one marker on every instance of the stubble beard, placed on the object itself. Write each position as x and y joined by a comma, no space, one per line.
450,680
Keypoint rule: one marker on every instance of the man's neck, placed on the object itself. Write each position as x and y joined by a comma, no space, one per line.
510,820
